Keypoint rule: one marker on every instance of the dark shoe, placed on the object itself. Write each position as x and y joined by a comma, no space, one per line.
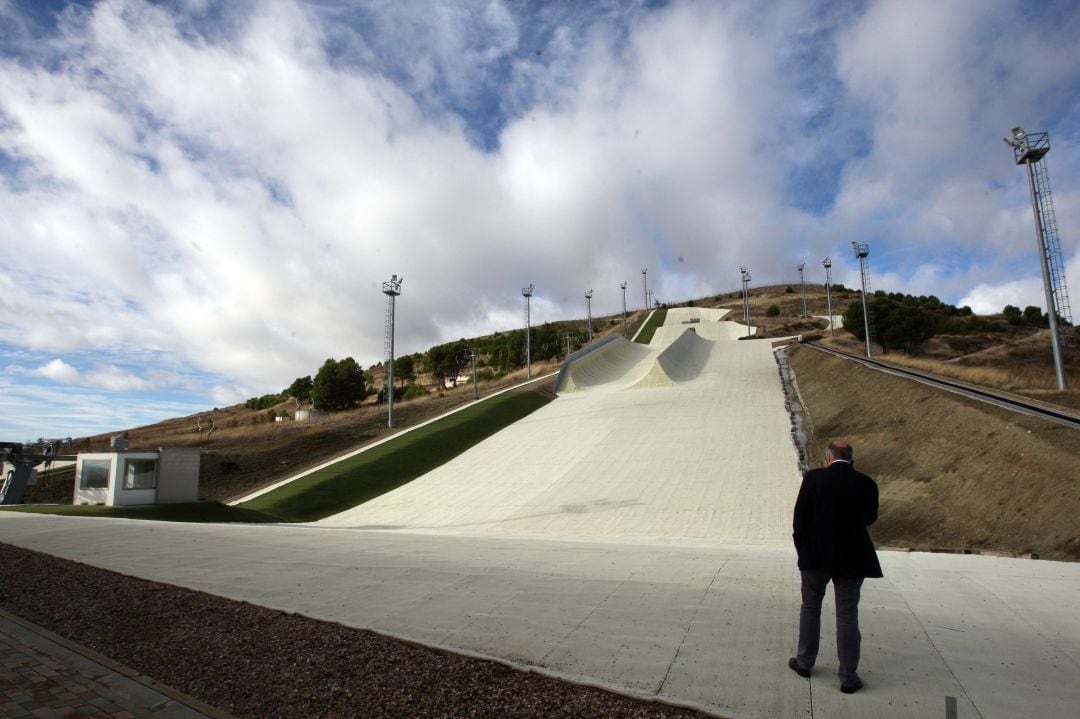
852,687
793,664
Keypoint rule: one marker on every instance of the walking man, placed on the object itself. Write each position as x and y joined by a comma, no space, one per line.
835,506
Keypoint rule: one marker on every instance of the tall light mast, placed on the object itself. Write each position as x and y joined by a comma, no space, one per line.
527,293
623,288
1029,149
862,252
827,264
588,311
746,298
391,289
802,287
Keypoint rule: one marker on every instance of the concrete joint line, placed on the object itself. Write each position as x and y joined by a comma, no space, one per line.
689,624
930,640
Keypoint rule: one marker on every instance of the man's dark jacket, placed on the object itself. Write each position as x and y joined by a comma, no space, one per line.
835,506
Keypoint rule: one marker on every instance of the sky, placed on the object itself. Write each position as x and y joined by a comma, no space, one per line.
200,201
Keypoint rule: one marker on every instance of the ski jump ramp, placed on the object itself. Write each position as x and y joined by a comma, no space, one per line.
685,439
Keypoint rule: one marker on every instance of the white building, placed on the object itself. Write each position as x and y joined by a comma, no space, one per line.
167,475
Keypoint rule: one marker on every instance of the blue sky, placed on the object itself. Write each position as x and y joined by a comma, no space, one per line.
199,201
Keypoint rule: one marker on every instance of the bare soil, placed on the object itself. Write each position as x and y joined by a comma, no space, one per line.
954,474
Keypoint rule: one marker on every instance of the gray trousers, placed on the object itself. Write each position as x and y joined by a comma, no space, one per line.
846,592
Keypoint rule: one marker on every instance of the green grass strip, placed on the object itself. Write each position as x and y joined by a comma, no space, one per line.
389,465
656,320
211,512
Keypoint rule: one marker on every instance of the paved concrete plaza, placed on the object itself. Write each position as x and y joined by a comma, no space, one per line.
636,535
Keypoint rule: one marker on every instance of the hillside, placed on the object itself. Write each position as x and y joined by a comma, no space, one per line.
937,491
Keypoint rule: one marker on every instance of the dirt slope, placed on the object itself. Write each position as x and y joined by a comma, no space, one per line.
954,474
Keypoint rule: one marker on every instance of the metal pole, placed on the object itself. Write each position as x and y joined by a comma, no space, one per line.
528,330
645,287
390,372
624,331
588,311
1051,306
865,307
828,292
391,289
475,391
802,287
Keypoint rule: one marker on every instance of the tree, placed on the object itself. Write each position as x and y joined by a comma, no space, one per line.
446,361
300,388
338,385
1012,314
1034,316
405,369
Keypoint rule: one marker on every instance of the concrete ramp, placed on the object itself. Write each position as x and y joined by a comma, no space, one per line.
681,361
689,441
710,326
607,366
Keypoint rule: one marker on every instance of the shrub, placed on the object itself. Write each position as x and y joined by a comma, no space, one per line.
774,310
413,390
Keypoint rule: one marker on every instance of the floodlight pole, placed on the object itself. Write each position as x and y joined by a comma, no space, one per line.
588,311
527,293
645,286
623,288
391,289
827,263
746,298
1028,150
862,251
567,338
802,287
472,356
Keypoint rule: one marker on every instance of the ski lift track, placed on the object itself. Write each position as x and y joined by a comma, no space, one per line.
999,399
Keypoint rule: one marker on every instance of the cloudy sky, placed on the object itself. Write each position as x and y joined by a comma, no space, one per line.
199,200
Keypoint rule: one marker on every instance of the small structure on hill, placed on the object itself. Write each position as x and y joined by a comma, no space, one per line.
167,475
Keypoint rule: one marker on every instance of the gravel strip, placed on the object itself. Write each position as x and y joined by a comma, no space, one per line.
256,662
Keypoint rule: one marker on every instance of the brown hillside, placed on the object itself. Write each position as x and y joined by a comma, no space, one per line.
954,474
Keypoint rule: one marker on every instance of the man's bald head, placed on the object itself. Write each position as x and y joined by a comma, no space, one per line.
839,449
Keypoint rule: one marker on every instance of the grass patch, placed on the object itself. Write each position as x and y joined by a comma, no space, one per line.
209,512
386,467
647,332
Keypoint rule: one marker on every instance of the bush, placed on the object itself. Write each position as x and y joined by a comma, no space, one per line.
413,390
774,310
789,291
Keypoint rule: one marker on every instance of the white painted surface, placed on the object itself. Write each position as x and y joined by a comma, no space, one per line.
687,440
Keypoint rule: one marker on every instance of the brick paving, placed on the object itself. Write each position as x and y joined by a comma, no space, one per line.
37,686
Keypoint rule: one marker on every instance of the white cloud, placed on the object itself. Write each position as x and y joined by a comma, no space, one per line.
228,199
59,371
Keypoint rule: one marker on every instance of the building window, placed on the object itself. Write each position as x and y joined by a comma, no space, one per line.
95,474
140,474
